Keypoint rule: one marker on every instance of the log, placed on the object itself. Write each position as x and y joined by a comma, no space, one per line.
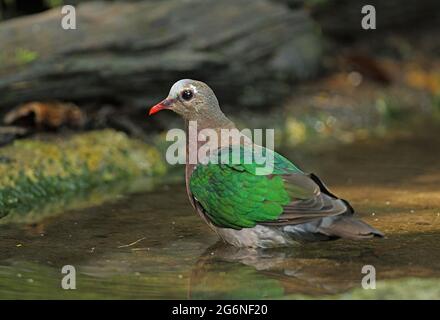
131,53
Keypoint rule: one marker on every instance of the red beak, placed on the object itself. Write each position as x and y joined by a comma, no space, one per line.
165,104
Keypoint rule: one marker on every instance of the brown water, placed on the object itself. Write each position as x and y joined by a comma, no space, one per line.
152,245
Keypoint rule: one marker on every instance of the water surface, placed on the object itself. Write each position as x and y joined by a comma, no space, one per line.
151,244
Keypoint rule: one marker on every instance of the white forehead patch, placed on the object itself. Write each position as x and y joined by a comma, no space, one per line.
193,88
180,85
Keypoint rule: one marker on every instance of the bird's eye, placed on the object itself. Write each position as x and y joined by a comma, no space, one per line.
187,95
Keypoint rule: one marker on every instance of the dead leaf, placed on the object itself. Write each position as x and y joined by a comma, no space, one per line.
424,79
368,66
46,114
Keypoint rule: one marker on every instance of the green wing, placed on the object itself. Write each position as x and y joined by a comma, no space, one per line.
239,193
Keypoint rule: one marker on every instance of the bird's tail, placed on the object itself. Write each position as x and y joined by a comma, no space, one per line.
332,228
347,227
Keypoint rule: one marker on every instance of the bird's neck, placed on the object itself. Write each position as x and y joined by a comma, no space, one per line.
193,133
193,142
215,121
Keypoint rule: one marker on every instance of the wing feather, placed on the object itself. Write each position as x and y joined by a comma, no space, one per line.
234,196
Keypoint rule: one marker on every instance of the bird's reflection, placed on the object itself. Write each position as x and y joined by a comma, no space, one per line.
225,272
317,269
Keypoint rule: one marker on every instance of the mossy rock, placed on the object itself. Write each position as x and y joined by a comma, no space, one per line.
33,172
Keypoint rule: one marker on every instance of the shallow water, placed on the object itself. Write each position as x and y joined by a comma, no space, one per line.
152,245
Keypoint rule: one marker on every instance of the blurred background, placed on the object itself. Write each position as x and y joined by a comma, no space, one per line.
262,56
83,180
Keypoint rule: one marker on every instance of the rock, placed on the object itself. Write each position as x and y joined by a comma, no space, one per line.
36,172
128,53
10,133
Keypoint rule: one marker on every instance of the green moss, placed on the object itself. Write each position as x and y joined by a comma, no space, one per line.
54,3
389,109
34,172
25,56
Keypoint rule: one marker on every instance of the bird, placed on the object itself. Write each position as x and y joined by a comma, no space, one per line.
280,207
